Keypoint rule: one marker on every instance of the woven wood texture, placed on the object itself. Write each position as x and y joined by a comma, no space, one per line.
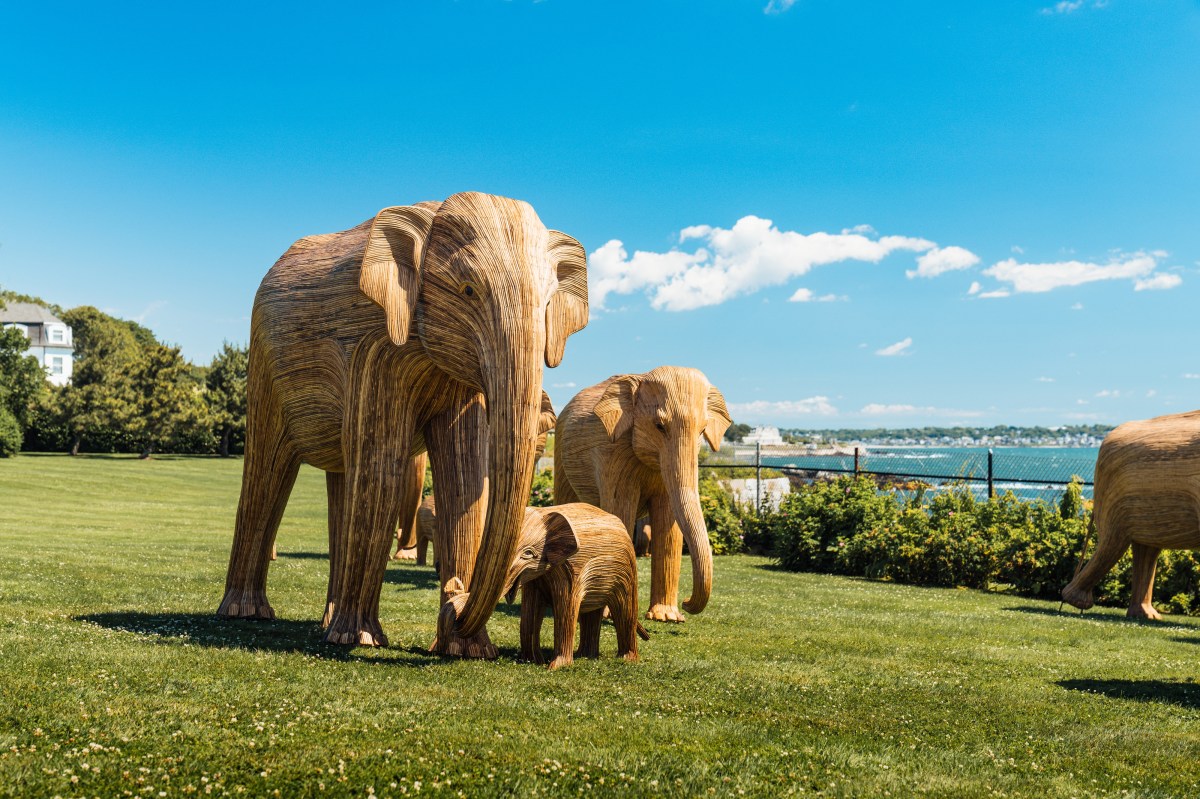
1147,495
630,445
577,559
407,530
424,328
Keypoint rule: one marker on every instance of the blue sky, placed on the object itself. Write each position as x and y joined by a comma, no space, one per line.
1033,165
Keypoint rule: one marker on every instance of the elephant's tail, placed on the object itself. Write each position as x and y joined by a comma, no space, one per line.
1087,537
641,631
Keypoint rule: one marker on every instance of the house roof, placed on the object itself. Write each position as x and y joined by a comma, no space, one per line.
27,313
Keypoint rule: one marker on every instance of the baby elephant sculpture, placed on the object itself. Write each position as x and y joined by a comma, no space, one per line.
1147,495
579,559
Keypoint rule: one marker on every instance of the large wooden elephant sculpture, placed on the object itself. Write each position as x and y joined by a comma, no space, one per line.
1147,494
423,328
630,446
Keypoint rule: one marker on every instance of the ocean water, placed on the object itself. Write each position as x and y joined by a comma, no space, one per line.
1029,472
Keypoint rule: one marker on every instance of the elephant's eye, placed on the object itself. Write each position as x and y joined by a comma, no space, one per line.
662,428
468,290
528,554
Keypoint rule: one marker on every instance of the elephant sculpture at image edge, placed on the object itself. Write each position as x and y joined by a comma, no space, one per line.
1147,494
422,329
630,446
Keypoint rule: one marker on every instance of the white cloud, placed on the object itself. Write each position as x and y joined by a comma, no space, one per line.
727,263
819,406
975,287
1108,393
806,295
1037,278
1190,376
1162,280
993,295
878,409
568,384
778,6
1064,7
940,260
1077,306
1151,393
895,349
1045,379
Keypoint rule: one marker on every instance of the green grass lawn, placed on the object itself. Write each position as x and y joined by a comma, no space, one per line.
116,679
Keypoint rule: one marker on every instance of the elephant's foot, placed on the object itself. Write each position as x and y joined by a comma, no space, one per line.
1077,597
532,656
1143,610
561,661
477,647
630,657
661,612
348,629
245,603
405,554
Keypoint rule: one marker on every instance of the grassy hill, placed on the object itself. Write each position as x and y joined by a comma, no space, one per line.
117,680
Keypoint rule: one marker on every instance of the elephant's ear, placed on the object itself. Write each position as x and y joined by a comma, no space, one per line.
561,540
718,419
567,311
615,407
391,265
546,418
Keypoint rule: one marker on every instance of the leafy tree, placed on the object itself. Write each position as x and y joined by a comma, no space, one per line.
10,434
736,432
101,396
22,379
168,400
226,395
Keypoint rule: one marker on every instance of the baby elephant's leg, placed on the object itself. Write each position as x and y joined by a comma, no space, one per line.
533,611
566,616
589,634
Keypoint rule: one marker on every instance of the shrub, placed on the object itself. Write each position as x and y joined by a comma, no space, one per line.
541,493
812,525
10,434
722,517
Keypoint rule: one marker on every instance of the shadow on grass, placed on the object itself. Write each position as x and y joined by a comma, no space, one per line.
304,555
277,635
412,576
1183,694
1073,613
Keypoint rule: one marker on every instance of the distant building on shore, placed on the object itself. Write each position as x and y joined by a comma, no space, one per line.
763,435
50,339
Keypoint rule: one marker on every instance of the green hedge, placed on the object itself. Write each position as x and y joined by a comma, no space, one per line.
945,538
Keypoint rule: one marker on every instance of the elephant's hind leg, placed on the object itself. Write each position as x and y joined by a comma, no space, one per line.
407,534
268,473
589,634
1110,546
533,612
1145,562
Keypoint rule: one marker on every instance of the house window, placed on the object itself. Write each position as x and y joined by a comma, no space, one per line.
56,335
56,365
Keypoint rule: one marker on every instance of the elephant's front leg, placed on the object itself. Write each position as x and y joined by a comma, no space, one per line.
458,454
666,554
375,473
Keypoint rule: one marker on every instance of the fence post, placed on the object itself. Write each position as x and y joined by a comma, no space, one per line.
757,476
991,480
856,463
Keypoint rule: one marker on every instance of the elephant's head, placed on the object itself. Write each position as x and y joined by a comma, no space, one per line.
492,294
546,421
547,539
663,414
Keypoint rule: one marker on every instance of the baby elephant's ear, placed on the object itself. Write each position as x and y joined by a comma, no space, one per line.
561,540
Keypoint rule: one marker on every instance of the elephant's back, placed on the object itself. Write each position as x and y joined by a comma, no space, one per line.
1148,480
308,317
578,435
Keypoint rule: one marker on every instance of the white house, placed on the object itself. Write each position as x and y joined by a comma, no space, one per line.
763,435
50,339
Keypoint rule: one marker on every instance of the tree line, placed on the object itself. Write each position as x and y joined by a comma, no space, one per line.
129,392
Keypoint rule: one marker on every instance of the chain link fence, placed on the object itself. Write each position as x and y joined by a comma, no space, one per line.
1029,472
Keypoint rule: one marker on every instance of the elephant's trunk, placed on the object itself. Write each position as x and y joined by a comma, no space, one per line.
682,488
514,400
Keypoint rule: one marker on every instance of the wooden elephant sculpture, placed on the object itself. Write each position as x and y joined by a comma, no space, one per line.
577,559
1147,494
425,328
408,531
422,536
630,445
